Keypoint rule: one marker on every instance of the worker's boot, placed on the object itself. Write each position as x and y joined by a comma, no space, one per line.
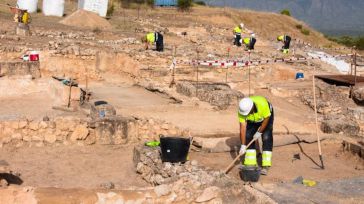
264,170
266,162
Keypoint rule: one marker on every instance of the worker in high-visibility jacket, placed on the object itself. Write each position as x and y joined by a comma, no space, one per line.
154,38
249,42
286,40
22,16
256,119
237,34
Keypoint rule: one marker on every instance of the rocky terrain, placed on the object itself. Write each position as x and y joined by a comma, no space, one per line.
73,124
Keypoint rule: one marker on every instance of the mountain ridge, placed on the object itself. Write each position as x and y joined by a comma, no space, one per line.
333,17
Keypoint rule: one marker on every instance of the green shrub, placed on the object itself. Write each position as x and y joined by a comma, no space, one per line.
360,43
150,3
286,12
201,3
110,10
184,5
136,4
299,26
305,31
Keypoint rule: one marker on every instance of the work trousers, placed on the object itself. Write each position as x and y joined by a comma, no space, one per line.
287,42
252,43
237,40
267,136
159,42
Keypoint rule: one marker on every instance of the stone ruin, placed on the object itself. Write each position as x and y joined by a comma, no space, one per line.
340,114
20,69
190,182
217,94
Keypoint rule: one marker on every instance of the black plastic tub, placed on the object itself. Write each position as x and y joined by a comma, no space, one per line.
250,173
174,149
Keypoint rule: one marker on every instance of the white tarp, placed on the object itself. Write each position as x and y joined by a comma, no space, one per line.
97,6
340,65
53,7
30,5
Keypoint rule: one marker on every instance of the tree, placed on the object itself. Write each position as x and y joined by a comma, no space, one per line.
184,5
286,12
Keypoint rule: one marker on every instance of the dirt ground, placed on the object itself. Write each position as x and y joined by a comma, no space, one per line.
73,166
117,74
340,182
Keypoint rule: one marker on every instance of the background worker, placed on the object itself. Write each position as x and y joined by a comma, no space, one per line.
286,40
154,38
250,42
256,121
237,34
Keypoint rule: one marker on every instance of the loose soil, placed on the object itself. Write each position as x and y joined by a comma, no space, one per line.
73,166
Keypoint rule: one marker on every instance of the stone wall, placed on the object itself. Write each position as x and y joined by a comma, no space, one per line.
20,69
339,113
73,130
191,182
217,94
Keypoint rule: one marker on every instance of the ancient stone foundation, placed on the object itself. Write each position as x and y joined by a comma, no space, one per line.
191,182
73,130
20,69
217,94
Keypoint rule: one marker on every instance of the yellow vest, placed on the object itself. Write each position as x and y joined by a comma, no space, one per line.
280,38
151,38
25,18
237,30
263,110
246,41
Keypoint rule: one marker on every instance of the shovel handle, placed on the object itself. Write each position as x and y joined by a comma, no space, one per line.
238,157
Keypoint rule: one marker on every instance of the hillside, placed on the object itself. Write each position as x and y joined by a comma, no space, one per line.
329,16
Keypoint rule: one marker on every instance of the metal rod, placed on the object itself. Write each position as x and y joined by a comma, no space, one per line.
316,121
249,71
355,66
197,72
173,66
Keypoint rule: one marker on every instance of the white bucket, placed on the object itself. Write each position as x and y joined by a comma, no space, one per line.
29,5
97,6
53,7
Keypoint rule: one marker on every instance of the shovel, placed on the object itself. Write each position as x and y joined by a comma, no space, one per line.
238,157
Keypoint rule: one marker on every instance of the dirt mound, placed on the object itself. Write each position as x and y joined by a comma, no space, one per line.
86,19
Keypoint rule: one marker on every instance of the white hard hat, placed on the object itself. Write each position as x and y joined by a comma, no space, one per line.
245,106
253,35
242,25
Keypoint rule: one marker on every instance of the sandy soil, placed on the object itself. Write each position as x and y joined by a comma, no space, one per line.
340,182
338,164
73,166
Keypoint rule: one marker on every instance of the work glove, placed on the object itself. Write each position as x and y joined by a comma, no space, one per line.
257,135
242,149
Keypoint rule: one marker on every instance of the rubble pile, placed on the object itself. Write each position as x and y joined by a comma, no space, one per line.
217,94
191,182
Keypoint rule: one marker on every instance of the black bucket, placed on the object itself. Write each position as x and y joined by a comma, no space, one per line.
174,149
250,173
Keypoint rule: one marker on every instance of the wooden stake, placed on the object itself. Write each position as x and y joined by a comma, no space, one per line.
316,121
69,94
173,67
